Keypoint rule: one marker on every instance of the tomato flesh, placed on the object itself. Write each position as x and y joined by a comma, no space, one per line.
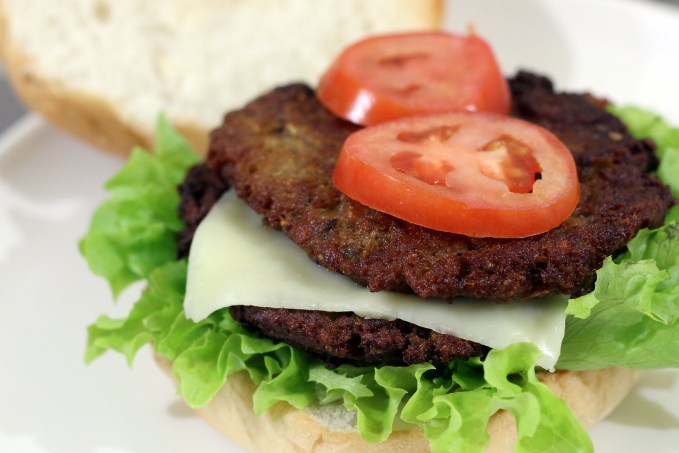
518,168
391,76
475,174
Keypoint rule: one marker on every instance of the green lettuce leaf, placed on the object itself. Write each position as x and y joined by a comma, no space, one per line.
133,232
453,404
631,319
132,238
457,421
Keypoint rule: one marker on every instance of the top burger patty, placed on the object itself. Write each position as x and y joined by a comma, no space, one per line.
279,151
334,337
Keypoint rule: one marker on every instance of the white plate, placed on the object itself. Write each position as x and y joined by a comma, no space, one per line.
49,184
50,401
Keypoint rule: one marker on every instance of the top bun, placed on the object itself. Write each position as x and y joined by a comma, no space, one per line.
105,69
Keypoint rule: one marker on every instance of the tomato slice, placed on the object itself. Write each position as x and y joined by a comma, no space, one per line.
390,76
477,174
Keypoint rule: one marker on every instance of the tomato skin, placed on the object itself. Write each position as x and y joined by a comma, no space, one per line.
469,202
391,76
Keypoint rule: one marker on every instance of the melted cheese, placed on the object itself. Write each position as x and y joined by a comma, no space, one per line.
234,260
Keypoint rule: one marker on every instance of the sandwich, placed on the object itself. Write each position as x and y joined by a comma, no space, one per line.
351,380
266,343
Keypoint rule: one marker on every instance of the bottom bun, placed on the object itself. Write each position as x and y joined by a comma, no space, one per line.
591,394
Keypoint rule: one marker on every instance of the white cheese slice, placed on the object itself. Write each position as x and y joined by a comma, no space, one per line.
234,260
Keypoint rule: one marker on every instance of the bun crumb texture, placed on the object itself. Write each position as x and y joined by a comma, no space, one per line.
105,69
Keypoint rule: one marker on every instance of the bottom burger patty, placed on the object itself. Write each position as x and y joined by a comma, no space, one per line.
346,337
609,161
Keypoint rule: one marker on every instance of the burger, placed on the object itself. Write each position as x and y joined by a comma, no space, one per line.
331,278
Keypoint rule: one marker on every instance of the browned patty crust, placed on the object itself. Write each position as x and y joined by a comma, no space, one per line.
334,337
345,337
279,151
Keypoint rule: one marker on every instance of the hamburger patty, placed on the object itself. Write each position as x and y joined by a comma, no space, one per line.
346,337
279,151
334,337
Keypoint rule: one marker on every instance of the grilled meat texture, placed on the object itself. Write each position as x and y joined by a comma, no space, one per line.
346,338
333,337
200,190
278,154
279,151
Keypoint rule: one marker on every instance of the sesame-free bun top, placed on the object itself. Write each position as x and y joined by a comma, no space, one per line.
105,69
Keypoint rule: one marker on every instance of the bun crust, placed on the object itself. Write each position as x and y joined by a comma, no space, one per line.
192,63
591,394
90,118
